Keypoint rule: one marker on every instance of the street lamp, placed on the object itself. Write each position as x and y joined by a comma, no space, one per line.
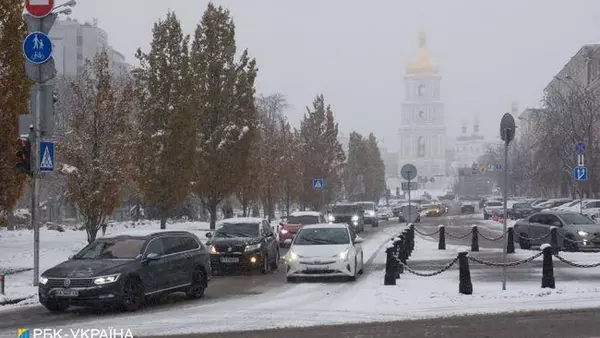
65,11
70,3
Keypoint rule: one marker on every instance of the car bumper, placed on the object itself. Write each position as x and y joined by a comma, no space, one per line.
467,210
236,262
328,268
587,244
86,296
433,213
371,220
285,239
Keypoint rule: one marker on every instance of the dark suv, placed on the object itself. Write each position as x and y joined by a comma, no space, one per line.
349,213
122,270
243,244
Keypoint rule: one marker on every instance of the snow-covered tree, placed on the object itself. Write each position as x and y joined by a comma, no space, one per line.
165,123
13,102
226,115
96,149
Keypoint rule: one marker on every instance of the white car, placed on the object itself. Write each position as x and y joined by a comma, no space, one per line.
325,250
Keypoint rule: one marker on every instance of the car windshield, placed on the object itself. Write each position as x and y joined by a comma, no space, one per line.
570,204
344,209
112,248
228,230
574,218
494,204
367,206
322,236
522,206
303,219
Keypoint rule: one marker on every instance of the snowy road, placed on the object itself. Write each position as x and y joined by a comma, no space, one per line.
220,289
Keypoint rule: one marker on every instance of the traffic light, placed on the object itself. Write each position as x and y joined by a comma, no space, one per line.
24,155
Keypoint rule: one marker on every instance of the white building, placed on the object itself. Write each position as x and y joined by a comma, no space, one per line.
75,42
469,146
422,130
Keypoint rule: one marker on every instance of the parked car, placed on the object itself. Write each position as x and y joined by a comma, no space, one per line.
467,208
370,216
123,270
325,250
520,210
492,208
348,213
384,213
243,244
581,232
551,204
295,222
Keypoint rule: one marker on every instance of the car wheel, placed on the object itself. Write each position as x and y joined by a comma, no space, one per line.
275,264
265,264
524,242
569,245
133,295
198,284
362,265
57,307
353,278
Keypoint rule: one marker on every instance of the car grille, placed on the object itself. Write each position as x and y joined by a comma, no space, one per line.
234,248
319,272
343,219
73,283
316,263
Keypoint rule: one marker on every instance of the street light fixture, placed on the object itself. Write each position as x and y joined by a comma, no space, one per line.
70,3
65,11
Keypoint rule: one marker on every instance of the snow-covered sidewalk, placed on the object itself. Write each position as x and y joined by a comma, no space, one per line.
367,300
16,249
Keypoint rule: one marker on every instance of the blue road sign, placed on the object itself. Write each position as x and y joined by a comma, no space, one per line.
46,156
498,166
580,174
580,148
318,183
37,47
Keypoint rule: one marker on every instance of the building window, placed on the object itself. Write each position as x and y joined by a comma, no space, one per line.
79,40
421,147
421,115
421,90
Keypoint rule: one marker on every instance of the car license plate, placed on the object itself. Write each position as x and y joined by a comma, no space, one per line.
317,268
230,260
66,293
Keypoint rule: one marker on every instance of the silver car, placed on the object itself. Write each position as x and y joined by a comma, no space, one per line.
576,232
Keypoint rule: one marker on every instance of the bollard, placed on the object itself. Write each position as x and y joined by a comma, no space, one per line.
411,237
401,257
510,241
398,252
1,284
442,238
554,239
547,267
475,239
465,286
390,267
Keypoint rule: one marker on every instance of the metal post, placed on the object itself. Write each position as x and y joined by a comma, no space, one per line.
505,228
35,161
409,220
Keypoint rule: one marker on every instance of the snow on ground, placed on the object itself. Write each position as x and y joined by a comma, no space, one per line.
413,297
56,247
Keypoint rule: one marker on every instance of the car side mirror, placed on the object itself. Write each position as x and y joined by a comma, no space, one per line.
358,240
208,235
71,257
151,257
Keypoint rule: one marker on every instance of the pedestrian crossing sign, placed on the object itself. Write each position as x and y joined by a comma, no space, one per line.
317,183
46,156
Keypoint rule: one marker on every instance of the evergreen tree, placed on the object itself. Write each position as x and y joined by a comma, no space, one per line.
96,147
374,178
15,88
226,113
166,121
356,167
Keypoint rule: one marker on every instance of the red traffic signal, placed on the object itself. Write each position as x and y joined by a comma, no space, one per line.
24,155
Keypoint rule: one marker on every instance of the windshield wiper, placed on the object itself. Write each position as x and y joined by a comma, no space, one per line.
317,241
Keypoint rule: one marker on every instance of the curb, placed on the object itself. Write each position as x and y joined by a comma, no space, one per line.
9,272
15,300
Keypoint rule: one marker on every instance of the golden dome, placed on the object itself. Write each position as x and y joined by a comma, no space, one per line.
422,65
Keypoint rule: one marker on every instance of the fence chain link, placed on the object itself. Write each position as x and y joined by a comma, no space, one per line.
459,236
577,265
524,261
533,239
427,274
491,239
426,234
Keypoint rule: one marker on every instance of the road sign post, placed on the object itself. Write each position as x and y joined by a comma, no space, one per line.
39,67
507,132
409,173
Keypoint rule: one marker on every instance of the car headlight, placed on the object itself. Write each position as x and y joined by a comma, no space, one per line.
43,280
252,247
294,256
331,218
583,233
355,218
344,255
106,279
212,249
283,231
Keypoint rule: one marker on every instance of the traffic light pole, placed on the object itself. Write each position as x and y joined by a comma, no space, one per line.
35,186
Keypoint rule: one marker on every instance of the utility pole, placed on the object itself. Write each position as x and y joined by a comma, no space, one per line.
507,132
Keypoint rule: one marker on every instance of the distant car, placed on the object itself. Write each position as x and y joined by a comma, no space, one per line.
492,208
467,208
243,244
124,269
553,203
295,222
520,210
348,213
433,209
370,215
582,232
325,250
384,213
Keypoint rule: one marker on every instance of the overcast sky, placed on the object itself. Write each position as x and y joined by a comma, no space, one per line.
490,53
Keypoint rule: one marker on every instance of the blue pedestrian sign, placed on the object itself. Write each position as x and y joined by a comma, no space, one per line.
318,184
38,48
580,174
46,156
580,148
498,166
